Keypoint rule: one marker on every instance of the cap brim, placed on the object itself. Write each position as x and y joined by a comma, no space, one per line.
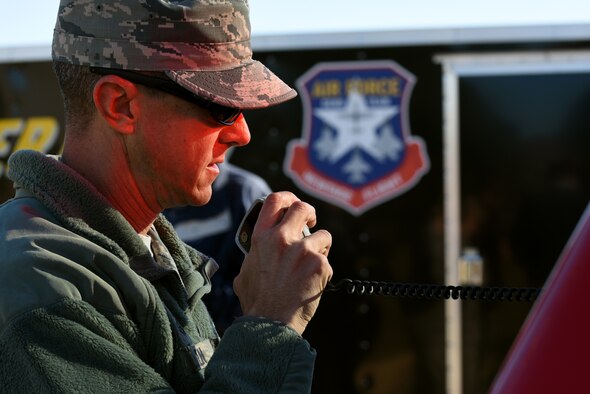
248,86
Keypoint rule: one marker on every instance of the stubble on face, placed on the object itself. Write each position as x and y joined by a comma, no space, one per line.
177,147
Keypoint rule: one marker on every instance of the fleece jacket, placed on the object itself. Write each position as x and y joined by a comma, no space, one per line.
84,307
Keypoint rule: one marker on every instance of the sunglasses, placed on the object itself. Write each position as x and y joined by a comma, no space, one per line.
223,115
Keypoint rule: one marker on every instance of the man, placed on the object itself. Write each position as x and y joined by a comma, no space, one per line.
97,293
211,229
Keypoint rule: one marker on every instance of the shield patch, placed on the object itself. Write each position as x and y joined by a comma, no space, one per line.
356,149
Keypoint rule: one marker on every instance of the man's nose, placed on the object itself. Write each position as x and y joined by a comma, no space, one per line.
238,134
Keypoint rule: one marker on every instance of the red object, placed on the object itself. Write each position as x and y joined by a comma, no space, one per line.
551,353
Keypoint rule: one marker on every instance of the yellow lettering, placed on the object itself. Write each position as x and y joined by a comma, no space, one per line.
329,88
10,127
374,86
39,134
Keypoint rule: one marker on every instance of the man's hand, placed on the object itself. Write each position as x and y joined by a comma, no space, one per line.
284,274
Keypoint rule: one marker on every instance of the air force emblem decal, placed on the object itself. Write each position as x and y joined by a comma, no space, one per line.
356,151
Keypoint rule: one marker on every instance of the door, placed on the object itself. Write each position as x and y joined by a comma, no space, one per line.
516,133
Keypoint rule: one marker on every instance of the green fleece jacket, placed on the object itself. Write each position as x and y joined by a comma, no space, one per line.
85,308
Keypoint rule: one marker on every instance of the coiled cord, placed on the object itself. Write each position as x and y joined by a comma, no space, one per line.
427,291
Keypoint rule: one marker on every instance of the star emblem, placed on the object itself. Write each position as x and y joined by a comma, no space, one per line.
356,125
356,150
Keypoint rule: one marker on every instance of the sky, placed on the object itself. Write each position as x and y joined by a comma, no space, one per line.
32,25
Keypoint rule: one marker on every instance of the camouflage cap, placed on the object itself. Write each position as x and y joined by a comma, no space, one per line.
203,45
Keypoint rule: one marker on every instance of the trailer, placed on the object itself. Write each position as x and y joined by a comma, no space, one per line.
442,156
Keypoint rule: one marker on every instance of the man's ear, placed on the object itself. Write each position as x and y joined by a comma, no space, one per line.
114,98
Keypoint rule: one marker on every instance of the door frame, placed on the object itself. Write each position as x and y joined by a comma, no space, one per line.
454,67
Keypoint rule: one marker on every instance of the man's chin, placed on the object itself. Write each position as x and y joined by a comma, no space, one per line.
202,197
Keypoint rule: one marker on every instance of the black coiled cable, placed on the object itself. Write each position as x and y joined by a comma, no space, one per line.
428,291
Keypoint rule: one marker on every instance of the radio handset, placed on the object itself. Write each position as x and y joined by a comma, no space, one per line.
244,233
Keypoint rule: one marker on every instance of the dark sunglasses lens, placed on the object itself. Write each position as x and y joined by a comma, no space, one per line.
225,115
221,114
